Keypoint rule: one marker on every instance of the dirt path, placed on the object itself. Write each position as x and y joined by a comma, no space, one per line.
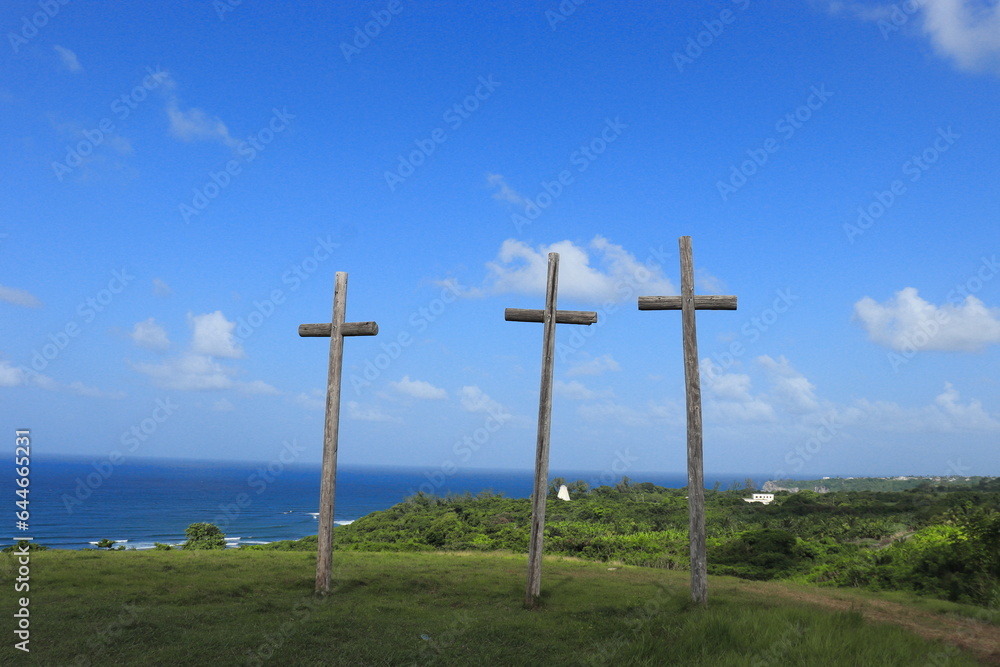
978,637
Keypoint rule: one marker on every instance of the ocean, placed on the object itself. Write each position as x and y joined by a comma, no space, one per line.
76,502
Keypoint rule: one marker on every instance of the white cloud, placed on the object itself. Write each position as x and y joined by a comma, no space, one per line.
10,375
19,297
615,274
796,393
161,288
505,192
188,372
213,335
728,396
947,414
577,391
593,365
368,414
257,387
964,31
967,31
614,413
69,59
17,376
196,125
80,389
223,405
315,400
150,335
474,399
907,322
418,389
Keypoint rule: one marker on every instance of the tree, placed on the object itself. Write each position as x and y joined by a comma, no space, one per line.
106,544
204,536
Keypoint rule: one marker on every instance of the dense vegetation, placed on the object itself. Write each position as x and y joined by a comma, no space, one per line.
941,541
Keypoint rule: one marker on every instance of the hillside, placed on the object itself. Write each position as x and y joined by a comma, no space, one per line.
235,607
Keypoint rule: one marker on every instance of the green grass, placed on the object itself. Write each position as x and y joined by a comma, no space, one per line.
252,607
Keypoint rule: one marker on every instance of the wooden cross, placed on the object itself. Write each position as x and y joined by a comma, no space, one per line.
549,317
688,303
336,330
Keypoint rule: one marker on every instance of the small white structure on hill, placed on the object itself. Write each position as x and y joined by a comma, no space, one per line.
766,498
563,493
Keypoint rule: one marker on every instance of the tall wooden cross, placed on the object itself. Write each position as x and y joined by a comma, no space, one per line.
688,303
336,330
549,317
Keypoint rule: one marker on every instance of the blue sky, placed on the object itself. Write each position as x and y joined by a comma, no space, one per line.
181,183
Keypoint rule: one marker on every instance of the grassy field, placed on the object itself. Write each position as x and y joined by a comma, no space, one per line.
243,607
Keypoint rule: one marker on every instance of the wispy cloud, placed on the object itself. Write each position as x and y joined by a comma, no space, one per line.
505,192
589,365
418,389
69,59
19,297
967,31
150,335
599,271
161,288
368,414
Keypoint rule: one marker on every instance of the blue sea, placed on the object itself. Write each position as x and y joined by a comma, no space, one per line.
76,502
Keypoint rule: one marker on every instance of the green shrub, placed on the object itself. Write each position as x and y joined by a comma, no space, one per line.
204,536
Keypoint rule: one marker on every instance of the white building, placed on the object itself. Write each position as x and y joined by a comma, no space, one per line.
766,498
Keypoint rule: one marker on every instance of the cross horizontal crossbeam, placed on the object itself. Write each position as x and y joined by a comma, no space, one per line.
323,329
701,302
587,317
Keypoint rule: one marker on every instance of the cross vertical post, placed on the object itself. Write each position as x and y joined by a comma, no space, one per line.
549,317
336,330
688,303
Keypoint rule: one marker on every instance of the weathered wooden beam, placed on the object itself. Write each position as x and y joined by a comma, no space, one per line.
323,329
701,302
696,474
538,498
328,479
587,317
